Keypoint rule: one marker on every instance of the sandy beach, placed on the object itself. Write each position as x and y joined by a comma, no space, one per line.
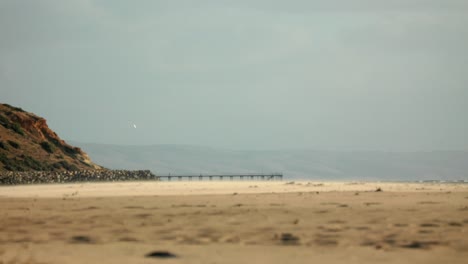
234,222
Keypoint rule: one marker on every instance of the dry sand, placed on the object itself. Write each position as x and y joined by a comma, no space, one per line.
234,222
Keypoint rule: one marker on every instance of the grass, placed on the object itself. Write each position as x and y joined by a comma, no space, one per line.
10,164
36,165
17,128
47,147
3,120
14,108
14,144
71,150
65,165
3,145
24,164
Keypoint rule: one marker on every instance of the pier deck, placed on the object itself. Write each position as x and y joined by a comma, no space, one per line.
201,177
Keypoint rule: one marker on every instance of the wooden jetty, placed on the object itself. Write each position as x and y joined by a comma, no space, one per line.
201,177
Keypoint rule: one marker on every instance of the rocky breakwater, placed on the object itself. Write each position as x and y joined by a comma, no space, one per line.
35,177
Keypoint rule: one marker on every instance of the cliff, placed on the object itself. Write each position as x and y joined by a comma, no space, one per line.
28,144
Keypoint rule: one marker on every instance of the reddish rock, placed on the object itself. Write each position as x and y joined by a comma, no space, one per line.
40,148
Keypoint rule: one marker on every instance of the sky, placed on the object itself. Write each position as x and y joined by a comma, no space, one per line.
243,74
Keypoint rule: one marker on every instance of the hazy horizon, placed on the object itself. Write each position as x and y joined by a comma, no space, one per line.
234,148
293,163
329,75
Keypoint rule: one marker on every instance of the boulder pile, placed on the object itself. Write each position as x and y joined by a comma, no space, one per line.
35,177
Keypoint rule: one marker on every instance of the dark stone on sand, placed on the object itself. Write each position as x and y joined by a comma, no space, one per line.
378,189
420,244
81,239
428,225
160,254
414,244
288,239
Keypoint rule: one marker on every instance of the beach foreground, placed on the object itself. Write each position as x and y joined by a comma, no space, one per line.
234,222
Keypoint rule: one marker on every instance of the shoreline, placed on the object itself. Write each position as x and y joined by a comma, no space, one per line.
174,188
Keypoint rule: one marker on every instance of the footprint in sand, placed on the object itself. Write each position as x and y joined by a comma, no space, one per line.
429,225
428,202
425,231
337,222
134,207
369,204
326,240
321,212
457,224
142,215
128,239
362,228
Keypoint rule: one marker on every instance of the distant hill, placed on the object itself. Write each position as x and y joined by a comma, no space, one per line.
27,143
295,164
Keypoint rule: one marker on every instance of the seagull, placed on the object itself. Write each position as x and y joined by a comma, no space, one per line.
134,125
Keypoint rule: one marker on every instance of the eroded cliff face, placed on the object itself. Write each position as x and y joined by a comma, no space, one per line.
27,143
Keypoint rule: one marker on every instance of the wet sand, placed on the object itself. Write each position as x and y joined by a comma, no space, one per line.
234,222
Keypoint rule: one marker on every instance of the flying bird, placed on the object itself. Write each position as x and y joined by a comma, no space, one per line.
134,125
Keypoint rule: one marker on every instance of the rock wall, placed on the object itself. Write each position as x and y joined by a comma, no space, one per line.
35,177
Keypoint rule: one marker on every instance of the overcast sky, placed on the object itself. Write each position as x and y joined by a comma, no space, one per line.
246,74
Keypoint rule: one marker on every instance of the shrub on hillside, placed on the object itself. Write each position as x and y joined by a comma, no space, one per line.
3,145
32,163
14,144
71,150
65,165
3,120
17,128
3,158
11,164
47,147
23,163
15,108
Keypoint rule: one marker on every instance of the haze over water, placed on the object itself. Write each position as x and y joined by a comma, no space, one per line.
354,75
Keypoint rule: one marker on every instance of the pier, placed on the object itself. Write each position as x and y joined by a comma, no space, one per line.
201,177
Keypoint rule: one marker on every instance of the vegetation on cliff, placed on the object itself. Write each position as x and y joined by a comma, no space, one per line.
28,144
